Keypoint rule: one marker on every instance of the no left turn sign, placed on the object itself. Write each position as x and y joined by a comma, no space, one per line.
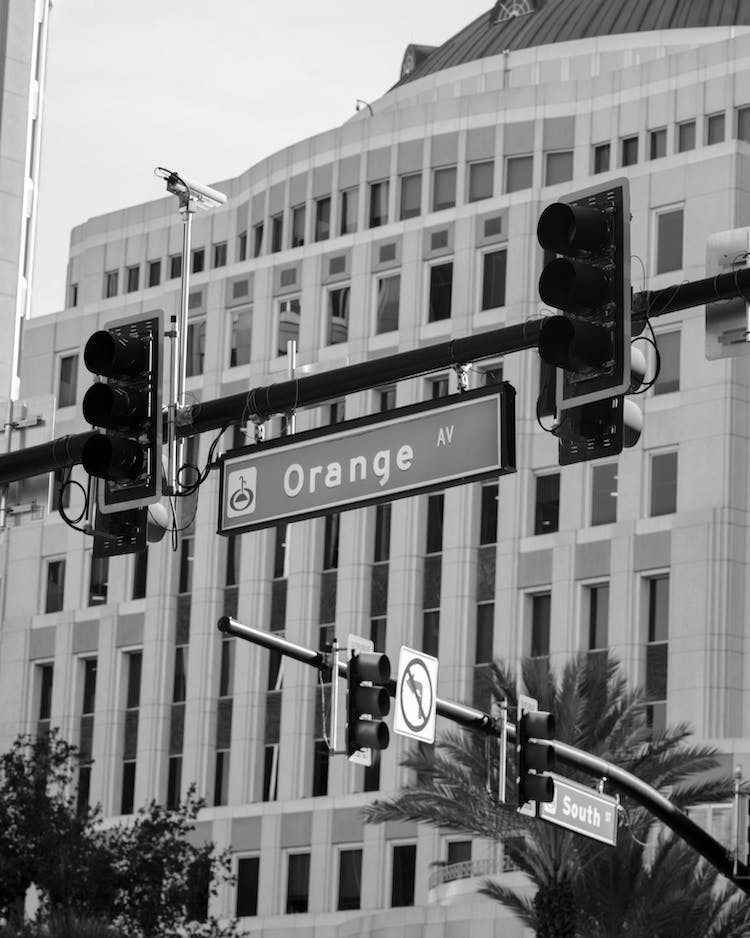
416,695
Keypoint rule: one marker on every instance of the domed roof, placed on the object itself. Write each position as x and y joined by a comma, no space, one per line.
522,24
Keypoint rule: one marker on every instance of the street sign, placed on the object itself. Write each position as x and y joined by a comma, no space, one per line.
416,695
582,810
449,441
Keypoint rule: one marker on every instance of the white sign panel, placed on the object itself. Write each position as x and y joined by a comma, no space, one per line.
416,695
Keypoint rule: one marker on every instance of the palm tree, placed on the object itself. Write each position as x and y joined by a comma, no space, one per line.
583,889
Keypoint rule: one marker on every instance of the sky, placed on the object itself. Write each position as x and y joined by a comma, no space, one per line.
204,87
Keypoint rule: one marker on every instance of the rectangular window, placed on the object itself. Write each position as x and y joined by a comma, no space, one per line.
686,136
411,196
519,173
67,384
657,141
98,581
350,879
403,875
128,788
338,315
669,237
488,514
185,582
277,233
175,266
110,284
598,624
668,378
133,277
348,218
601,158
55,593
441,291
604,494
434,540
485,629
154,273
242,246
199,261
221,777
140,574
628,151
438,388
663,484
443,188
386,399
174,782
323,219
493,279
257,239
240,336
547,503
130,746
657,651
298,226
248,869
289,323
481,180
196,347
389,292
298,882
540,625
378,204
715,128
73,295
743,124
382,551
558,167
219,258
45,674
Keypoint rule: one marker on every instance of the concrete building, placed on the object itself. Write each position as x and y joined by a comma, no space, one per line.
412,223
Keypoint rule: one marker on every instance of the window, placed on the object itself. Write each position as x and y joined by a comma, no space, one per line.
743,124
323,219
547,503
257,239
196,347
604,494
289,322
411,196
518,173
438,388
45,674
338,315
378,204
247,886
55,586
386,399
629,151
219,258
669,236
140,574
66,388
481,180
154,273
130,746
657,650
240,336
657,141
298,882
488,514
441,291
389,291
540,625
403,874
242,246
443,188
348,211
668,378
133,277
85,756
493,279
350,879
277,233
98,581
715,129
298,226
175,266
110,283
601,158
598,624
663,484
686,136
73,295
558,167
198,260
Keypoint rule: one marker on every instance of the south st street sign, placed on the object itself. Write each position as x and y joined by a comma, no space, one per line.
449,441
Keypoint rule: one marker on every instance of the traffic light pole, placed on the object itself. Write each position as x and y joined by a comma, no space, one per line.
470,718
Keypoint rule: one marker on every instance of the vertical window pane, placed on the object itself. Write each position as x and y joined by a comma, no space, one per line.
154,273
481,180
604,494
485,633
598,617
403,875
298,226
257,239
519,173
196,348
55,585
277,233
663,484
493,279
323,219
743,124
669,241
657,144
140,574
66,389
658,609
338,315
715,129
540,625
199,260
350,879
444,188
488,514
547,505
435,505
298,882
247,886
601,158
629,151
242,246
668,378
441,291
128,788
175,266
378,204
558,168
686,136
98,581
289,323
389,291
382,533
348,211
411,195
241,334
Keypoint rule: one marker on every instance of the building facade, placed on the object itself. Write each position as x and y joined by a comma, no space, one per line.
412,223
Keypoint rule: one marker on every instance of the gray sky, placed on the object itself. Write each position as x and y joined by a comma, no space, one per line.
205,87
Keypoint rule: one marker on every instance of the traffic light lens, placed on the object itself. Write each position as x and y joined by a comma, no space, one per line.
574,344
373,700
107,405
573,287
370,734
116,458
572,229
115,355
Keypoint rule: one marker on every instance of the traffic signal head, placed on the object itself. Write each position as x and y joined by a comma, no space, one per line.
535,757
126,404
368,701
590,285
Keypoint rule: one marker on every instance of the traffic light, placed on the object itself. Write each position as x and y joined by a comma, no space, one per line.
367,701
127,406
586,275
535,758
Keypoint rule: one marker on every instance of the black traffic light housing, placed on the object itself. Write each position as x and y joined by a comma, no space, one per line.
535,758
368,700
127,406
586,238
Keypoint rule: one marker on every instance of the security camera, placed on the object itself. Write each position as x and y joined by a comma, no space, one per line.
184,187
